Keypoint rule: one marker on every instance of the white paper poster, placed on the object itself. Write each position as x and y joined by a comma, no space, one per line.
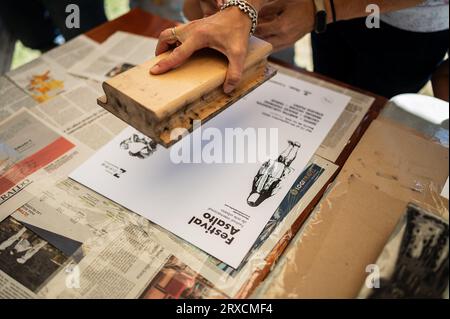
219,202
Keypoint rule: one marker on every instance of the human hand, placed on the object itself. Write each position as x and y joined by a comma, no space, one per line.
197,9
226,31
283,22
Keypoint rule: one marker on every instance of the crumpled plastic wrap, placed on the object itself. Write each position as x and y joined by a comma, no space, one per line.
334,253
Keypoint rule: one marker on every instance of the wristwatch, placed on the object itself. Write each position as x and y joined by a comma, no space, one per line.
321,16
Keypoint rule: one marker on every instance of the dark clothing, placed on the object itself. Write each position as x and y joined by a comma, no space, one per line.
37,22
7,43
387,61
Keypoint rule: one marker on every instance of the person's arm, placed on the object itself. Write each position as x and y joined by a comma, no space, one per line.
440,82
197,9
351,9
283,22
193,10
226,31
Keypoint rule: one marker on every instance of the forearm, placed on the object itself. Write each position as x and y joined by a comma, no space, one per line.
346,10
258,4
192,10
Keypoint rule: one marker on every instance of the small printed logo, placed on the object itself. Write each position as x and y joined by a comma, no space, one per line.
120,172
373,18
373,279
73,19
113,170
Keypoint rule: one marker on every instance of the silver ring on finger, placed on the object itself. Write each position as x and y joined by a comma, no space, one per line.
174,35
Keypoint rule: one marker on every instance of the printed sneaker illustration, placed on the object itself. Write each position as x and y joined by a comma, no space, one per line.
140,147
267,181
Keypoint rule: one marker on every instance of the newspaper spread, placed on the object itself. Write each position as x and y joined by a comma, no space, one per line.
111,253
67,55
93,247
77,114
212,210
30,152
117,54
12,98
46,77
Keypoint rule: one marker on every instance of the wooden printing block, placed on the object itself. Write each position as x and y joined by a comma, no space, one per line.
157,104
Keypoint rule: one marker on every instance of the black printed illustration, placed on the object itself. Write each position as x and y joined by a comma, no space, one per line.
138,146
267,181
120,172
119,69
419,267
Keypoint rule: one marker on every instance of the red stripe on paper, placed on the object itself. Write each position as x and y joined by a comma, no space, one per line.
31,164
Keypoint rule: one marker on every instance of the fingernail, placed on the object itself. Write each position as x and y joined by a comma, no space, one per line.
228,88
155,69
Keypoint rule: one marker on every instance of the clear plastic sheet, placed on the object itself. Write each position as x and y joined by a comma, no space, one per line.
335,251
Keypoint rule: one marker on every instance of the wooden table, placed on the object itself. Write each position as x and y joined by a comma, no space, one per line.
143,23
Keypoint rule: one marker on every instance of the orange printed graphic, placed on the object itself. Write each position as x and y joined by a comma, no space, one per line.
42,85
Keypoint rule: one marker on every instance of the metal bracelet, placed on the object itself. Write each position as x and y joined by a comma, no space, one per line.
245,7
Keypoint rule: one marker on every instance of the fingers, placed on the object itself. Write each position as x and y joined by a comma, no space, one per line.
272,9
267,29
234,72
176,57
166,40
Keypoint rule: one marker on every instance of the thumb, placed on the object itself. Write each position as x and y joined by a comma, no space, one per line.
234,72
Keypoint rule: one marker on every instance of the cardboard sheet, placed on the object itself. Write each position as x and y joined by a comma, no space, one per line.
349,228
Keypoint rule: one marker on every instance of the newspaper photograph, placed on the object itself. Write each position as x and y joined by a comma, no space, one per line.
117,54
26,257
